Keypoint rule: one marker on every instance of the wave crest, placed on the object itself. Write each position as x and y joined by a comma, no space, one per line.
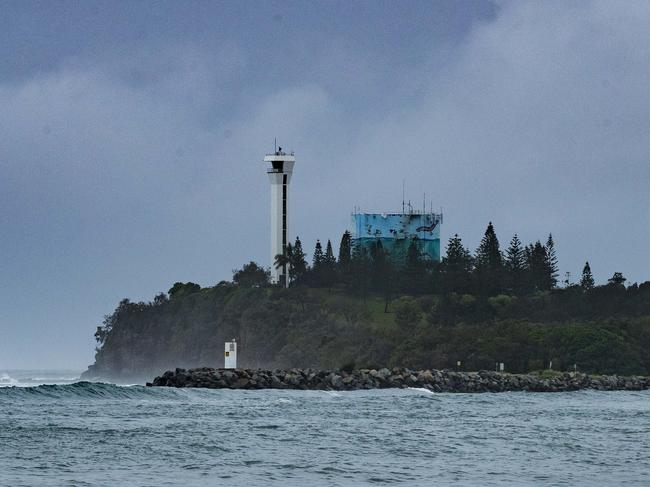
84,389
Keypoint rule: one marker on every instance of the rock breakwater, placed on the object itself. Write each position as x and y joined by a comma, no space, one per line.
433,380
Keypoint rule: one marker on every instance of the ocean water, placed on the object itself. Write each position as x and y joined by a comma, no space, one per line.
83,434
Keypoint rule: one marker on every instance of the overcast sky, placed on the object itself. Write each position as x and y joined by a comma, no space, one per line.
132,134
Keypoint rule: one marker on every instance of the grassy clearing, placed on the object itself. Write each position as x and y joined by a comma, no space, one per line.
547,373
378,318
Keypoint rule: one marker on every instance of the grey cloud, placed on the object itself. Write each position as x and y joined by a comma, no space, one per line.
539,126
122,173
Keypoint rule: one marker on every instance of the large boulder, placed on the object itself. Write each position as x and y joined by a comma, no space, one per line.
336,381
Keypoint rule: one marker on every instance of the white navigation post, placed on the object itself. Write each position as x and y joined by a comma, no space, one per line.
230,355
279,170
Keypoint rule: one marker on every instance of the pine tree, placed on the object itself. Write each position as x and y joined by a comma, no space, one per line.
537,267
456,267
488,253
329,259
515,265
617,279
297,261
528,280
315,275
553,270
587,281
329,266
457,255
345,251
515,254
318,259
541,266
344,265
489,263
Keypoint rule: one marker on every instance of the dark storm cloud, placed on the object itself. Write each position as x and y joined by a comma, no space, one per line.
132,159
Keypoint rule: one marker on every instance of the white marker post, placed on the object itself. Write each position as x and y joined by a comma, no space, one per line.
230,355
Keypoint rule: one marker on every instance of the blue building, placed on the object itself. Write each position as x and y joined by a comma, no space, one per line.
397,230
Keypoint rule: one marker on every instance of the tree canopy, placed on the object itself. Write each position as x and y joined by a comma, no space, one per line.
370,307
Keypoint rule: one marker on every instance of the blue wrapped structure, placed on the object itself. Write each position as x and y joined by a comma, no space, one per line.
396,232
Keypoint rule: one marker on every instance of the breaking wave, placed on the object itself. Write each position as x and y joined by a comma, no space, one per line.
32,378
86,390
7,381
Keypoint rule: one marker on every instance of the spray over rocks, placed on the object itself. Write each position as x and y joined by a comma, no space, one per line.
433,380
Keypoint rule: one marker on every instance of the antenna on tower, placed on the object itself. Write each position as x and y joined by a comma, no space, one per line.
403,194
275,145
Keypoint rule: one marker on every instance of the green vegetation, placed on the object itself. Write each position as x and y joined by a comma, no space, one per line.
363,309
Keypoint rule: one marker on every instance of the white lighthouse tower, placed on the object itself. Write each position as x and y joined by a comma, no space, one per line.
279,170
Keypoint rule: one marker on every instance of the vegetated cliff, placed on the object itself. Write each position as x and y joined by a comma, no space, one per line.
604,331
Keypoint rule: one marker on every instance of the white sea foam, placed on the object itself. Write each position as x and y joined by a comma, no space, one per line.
26,378
421,390
7,381
53,379
332,393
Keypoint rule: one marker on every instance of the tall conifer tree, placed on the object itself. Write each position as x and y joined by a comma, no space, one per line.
528,272
587,280
317,266
345,251
456,267
329,260
537,267
489,263
553,269
515,265
318,258
297,261
329,266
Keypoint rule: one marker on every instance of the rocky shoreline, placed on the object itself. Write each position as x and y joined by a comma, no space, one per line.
433,380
